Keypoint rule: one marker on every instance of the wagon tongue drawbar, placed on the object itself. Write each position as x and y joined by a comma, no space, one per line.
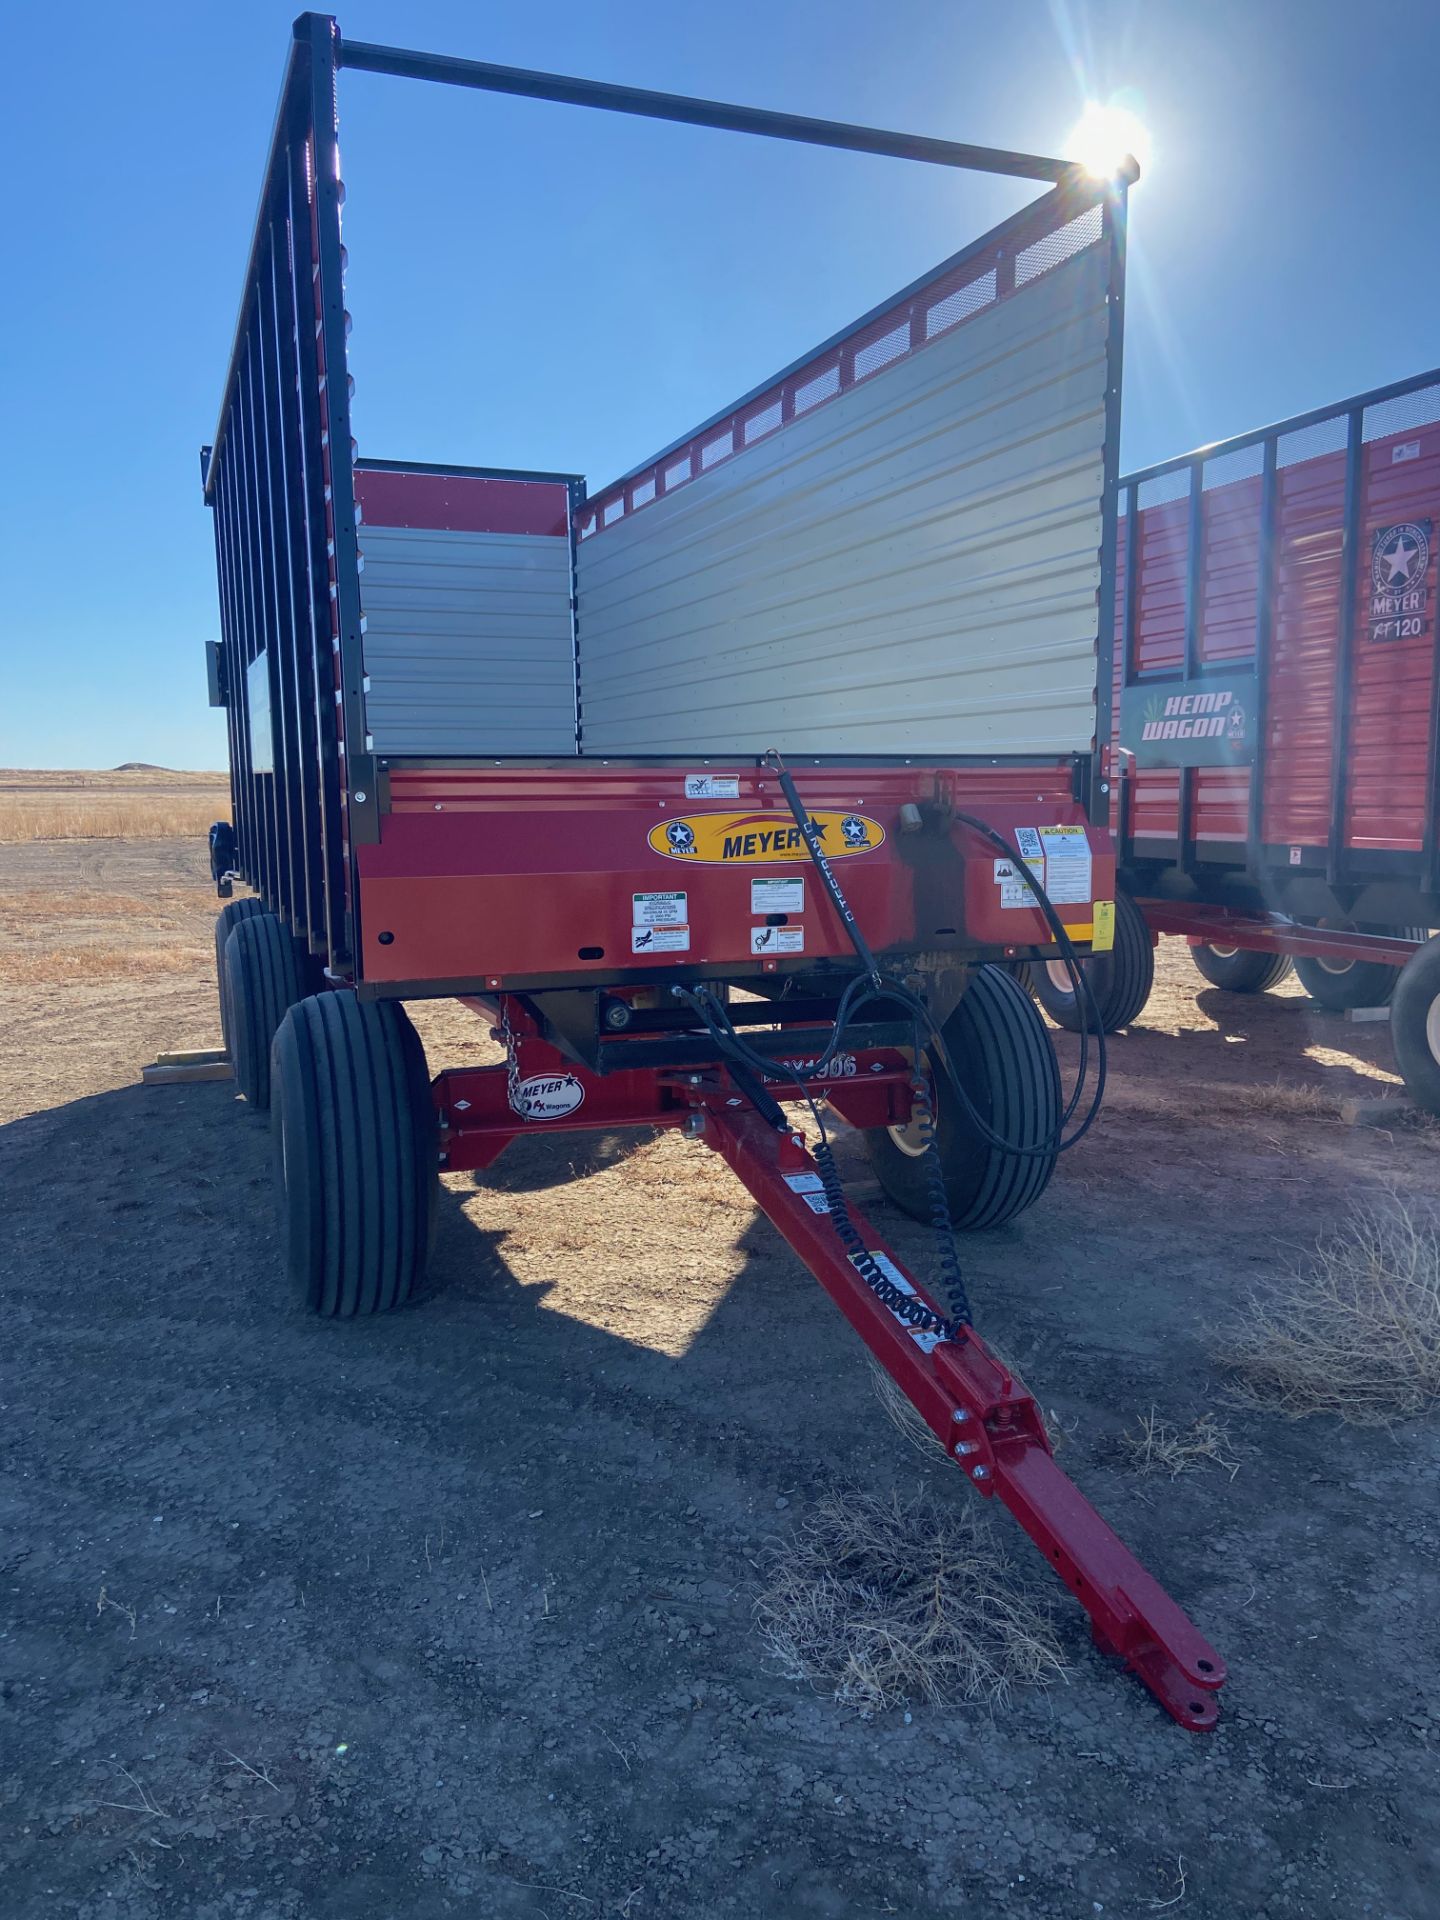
977,1409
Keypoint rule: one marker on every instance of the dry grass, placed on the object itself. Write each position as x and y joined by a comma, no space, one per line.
1155,1446
120,816
906,1420
902,1414
1287,1097
1353,1331
63,966
880,1601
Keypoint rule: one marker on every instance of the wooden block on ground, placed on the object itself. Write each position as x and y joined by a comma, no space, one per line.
1375,1113
1367,1013
191,1057
163,1075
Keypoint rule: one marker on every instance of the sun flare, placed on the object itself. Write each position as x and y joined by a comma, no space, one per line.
1104,135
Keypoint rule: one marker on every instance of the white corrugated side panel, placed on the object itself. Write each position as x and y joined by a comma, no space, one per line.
914,567
469,647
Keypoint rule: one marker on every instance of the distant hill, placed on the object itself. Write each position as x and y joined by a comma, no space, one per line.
140,766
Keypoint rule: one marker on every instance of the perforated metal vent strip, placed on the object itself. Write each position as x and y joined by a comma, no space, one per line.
1224,469
759,424
677,473
879,353
823,387
1169,486
1418,409
644,493
1309,443
959,305
1077,234
714,450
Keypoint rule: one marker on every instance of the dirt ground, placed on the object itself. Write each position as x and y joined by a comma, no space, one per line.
451,1614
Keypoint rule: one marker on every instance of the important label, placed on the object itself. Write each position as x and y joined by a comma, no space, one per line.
659,939
778,896
927,1342
1015,890
1067,865
659,909
777,939
1102,940
711,786
810,1188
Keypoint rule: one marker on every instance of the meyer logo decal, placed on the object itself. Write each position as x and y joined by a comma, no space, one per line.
547,1096
1399,580
755,839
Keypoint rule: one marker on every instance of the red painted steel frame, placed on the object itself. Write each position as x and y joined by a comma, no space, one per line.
980,1413
1218,927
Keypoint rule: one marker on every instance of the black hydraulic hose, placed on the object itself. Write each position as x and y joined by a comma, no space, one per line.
880,987
822,866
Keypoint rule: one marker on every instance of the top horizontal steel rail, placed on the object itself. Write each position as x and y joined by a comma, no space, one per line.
1396,390
530,85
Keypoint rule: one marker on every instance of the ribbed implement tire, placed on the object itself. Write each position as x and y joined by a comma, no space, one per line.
225,922
1120,980
262,977
1241,969
1415,1025
356,1154
1363,983
1004,1057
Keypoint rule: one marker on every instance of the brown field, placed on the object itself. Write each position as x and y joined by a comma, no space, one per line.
149,804
455,1613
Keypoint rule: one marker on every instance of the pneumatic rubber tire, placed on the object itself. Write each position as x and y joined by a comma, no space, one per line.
1121,980
1003,1054
263,980
226,921
356,1154
1415,1025
1240,969
1360,983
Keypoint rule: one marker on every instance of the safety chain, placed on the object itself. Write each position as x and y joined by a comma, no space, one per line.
512,1057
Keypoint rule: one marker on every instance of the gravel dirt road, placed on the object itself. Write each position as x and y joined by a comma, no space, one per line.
451,1614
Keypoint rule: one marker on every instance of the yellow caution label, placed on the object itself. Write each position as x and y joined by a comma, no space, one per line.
760,839
1104,936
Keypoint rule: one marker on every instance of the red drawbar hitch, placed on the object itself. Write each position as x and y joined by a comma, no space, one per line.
980,1413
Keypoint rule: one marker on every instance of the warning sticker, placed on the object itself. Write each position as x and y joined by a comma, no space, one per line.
1015,890
1067,865
810,1188
778,896
777,939
1102,939
927,1342
659,909
659,939
711,786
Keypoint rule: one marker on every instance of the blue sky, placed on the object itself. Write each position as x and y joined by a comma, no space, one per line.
534,285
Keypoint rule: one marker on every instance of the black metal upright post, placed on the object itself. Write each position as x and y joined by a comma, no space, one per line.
1345,643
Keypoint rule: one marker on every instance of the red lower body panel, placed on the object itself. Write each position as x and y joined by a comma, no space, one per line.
508,877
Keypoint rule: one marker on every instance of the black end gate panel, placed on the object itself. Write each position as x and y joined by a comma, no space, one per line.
279,479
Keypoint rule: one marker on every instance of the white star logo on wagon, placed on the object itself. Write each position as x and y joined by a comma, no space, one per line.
1398,559
1401,560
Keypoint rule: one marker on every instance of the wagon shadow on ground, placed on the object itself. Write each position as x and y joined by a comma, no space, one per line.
1251,1042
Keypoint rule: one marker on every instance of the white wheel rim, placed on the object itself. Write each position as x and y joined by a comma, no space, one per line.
1432,1028
1338,967
1058,974
907,1139
1224,953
